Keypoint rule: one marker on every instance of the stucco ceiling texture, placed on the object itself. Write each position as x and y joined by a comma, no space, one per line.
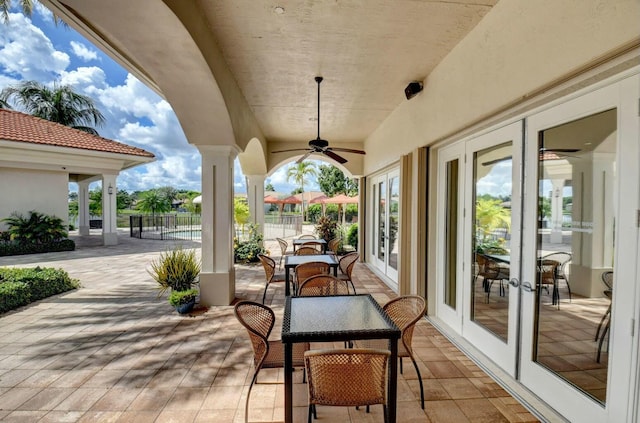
367,51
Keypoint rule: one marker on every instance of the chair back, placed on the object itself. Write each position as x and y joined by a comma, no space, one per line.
306,251
333,245
258,319
547,271
283,245
487,267
347,262
306,237
322,286
312,268
347,377
406,311
607,279
269,266
317,245
563,258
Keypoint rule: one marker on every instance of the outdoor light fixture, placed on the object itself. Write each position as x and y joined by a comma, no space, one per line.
110,189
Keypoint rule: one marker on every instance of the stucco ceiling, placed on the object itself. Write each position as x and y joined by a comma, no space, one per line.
366,50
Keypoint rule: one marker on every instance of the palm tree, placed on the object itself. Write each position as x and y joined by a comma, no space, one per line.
153,201
5,5
58,104
299,174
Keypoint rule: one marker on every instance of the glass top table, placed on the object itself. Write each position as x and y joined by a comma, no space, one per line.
337,318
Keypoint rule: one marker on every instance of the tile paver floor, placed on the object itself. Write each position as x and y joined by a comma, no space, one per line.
114,352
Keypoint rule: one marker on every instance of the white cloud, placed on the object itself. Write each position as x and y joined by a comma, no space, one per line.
83,52
26,52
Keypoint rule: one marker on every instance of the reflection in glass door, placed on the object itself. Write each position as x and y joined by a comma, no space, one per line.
386,202
575,247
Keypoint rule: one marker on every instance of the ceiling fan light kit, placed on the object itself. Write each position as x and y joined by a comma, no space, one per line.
318,145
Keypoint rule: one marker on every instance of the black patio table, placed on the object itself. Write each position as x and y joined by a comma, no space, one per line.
290,262
337,318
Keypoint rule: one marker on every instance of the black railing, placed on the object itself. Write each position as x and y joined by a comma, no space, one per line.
166,226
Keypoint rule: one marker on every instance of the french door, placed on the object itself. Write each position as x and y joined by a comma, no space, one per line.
385,197
532,218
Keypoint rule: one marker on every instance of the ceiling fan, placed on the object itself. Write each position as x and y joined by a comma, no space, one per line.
542,155
319,145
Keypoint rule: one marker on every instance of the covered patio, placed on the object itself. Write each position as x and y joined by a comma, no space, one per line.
113,351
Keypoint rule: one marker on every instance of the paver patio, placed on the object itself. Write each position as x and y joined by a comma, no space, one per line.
114,352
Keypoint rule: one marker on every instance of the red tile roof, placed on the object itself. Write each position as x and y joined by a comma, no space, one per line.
20,127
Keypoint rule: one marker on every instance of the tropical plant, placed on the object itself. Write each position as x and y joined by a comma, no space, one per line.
37,228
95,202
241,211
175,270
5,5
247,251
326,228
490,215
59,103
299,174
269,187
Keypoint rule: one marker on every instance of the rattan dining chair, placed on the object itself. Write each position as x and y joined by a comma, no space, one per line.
562,272
259,319
347,378
332,246
405,311
307,236
284,245
323,286
269,266
547,276
306,270
491,271
607,279
317,245
306,251
346,265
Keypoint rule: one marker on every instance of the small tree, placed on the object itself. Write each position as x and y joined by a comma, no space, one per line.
153,202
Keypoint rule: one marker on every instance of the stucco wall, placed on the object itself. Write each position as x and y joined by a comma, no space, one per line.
24,190
518,48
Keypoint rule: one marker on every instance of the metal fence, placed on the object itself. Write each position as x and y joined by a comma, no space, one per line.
167,226
282,226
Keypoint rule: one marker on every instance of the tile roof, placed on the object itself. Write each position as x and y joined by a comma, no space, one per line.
20,127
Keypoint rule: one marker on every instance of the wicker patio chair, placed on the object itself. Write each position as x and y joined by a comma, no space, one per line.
332,246
607,279
490,270
562,272
307,236
284,245
306,250
306,270
322,286
317,245
347,378
547,276
270,273
346,265
259,319
405,311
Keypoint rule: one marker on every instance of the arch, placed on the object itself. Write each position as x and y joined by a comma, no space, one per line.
253,160
292,159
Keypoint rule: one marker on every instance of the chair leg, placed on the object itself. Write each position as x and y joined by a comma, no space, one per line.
264,294
419,380
400,360
385,414
353,286
309,413
604,335
604,317
246,405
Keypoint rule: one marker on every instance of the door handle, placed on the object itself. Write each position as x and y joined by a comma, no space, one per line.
527,286
514,282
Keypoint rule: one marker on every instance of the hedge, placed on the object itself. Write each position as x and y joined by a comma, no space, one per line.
19,287
15,249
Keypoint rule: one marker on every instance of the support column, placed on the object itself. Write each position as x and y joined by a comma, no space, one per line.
83,208
556,211
255,198
109,210
217,278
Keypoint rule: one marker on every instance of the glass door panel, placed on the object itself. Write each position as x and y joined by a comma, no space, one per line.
575,248
382,211
451,233
394,203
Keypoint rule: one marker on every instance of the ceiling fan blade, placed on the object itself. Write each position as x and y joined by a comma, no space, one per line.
492,162
303,158
293,149
347,150
334,156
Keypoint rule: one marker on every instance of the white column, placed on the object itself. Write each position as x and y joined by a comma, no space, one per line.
255,198
83,208
556,210
217,278
109,210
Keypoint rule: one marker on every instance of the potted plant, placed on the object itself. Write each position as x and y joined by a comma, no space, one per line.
177,270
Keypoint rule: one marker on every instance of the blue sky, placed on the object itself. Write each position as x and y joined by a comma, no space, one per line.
36,49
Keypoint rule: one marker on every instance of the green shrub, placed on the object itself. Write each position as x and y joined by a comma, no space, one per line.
352,235
247,251
13,248
37,228
331,211
19,287
351,212
177,298
314,211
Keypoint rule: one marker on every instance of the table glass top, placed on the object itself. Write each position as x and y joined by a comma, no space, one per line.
296,260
